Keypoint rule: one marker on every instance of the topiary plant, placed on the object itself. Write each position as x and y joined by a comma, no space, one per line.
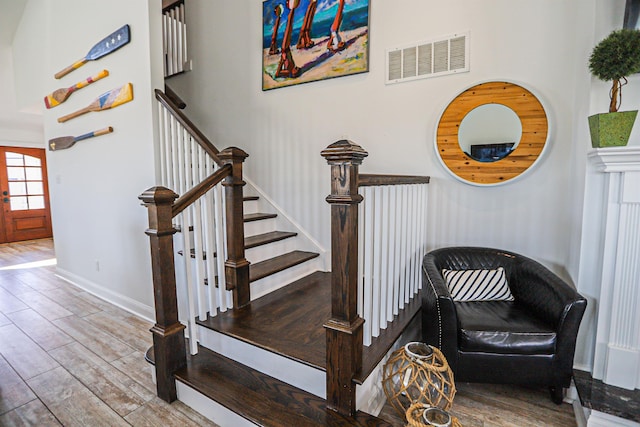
614,58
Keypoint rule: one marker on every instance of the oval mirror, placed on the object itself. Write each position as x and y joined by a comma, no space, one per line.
489,132
506,120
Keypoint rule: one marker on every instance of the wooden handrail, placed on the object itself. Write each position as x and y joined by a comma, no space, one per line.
370,180
170,4
199,190
174,97
189,126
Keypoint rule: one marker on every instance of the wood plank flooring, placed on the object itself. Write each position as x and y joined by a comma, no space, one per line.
69,358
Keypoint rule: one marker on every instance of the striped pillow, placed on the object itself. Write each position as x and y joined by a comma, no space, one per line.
478,285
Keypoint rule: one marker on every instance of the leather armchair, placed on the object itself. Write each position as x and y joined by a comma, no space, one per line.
530,340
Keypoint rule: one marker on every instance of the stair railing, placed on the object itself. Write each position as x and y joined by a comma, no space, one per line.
376,251
210,222
174,31
392,243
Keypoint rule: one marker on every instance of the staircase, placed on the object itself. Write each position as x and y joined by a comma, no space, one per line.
251,328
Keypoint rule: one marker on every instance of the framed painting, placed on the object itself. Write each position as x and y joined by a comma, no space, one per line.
308,40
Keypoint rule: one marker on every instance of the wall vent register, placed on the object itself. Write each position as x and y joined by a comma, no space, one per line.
431,58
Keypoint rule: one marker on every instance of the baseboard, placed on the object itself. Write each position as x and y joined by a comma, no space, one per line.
124,302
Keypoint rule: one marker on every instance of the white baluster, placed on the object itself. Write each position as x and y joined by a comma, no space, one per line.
179,39
369,200
185,57
198,233
376,282
384,256
221,248
414,240
393,254
361,246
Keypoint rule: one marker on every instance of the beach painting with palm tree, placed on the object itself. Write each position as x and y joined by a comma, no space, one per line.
309,40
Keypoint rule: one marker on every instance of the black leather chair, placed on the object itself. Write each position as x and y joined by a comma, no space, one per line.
530,340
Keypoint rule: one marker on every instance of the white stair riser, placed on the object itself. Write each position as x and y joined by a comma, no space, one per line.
259,227
295,373
250,206
278,280
210,408
273,249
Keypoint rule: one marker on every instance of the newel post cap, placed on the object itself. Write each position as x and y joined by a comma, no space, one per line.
344,151
233,153
158,195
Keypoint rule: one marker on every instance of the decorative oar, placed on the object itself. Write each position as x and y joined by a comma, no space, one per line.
107,100
104,47
64,142
60,95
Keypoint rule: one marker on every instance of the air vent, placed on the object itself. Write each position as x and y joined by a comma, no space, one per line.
431,58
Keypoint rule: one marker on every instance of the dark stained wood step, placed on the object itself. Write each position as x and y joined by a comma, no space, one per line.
289,322
266,238
258,216
259,398
254,241
249,198
274,265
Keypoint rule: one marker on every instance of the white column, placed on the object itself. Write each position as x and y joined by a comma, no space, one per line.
617,351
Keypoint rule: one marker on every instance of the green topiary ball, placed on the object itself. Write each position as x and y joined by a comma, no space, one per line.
616,56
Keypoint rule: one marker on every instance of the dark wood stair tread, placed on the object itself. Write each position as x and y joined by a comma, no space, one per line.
254,241
266,238
258,216
259,398
274,265
249,198
289,322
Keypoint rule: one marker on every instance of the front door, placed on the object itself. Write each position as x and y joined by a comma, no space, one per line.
25,213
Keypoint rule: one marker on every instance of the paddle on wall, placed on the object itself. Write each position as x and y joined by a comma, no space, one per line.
107,100
64,142
60,95
104,47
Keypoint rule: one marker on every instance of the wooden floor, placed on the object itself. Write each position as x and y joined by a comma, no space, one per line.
67,357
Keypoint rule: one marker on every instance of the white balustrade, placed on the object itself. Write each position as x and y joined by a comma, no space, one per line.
201,245
391,244
174,29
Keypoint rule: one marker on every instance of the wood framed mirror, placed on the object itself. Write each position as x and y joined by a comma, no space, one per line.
490,157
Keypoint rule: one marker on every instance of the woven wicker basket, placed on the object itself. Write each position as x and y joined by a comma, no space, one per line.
414,416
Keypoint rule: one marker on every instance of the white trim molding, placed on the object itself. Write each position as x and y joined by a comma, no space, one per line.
617,350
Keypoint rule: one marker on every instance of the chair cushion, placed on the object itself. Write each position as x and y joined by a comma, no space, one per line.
478,285
502,327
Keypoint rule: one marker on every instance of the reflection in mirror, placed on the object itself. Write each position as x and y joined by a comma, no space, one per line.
489,132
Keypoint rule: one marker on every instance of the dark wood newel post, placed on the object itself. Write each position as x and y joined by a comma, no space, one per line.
236,266
344,329
168,332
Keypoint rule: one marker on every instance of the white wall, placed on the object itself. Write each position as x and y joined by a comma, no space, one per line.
284,130
19,126
98,222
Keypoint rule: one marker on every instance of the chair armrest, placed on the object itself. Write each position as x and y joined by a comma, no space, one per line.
541,291
557,303
439,319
